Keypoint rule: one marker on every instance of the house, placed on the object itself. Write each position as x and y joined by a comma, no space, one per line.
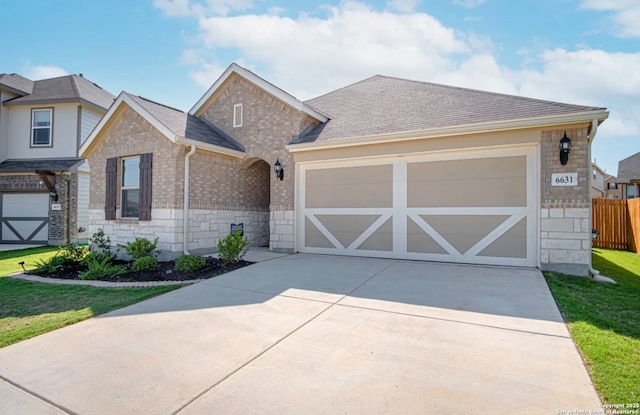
385,167
629,176
44,184
612,190
598,175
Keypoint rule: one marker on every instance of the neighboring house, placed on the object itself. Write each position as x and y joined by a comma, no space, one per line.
629,176
44,185
612,190
385,167
598,189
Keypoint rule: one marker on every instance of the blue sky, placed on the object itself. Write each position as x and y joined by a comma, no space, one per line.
576,51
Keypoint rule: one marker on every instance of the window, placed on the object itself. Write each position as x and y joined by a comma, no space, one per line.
133,175
612,186
41,120
130,187
237,115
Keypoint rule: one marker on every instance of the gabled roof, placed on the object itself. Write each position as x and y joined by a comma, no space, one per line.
382,105
176,125
69,88
16,83
629,169
260,83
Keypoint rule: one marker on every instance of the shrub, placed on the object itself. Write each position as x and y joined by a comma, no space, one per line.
99,266
74,253
140,247
99,242
146,263
189,263
232,247
51,265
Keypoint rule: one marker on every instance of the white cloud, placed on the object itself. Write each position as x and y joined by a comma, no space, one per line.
353,41
184,8
469,3
404,6
43,72
625,15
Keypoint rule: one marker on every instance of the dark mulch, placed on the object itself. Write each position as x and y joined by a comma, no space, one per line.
166,272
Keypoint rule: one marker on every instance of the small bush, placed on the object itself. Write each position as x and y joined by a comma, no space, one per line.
232,247
99,242
146,263
74,253
140,247
99,266
51,265
189,263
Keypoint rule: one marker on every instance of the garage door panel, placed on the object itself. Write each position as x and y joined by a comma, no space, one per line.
352,187
512,244
381,239
418,241
24,217
314,238
497,181
469,209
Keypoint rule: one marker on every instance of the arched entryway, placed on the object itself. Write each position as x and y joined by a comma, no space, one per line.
258,175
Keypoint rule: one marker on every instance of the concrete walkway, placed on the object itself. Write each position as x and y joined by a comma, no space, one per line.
314,334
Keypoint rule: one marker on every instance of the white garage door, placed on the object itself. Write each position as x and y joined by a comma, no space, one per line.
24,217
469,207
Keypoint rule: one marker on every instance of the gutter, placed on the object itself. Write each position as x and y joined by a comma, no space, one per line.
185,208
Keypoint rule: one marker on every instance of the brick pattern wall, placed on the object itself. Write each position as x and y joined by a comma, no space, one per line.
565,225
268,126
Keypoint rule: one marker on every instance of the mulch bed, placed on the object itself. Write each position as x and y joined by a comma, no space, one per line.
166,272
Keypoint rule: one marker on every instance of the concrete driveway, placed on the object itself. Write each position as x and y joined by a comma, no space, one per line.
314,334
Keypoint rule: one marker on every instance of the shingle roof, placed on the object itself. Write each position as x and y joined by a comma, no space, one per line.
28,165
382,105
16,83
629,169
69,88
186,125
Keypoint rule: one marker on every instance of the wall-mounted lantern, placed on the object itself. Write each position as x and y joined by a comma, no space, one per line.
279,170
565,148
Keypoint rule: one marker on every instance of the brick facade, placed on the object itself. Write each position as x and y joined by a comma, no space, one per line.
62,225
565,222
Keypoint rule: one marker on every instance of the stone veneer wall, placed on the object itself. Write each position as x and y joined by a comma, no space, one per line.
565,222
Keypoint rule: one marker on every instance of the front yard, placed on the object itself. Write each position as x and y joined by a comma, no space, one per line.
604,321
30,309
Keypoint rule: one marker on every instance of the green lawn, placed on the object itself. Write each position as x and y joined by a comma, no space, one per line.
604,321
28,309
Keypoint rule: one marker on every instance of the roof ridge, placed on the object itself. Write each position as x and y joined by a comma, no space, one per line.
156,102
347,86
483,92
72,80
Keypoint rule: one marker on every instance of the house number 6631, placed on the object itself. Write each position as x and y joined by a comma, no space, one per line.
564,179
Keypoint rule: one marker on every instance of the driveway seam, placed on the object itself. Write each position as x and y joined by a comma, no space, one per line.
455,321
38,396
248,362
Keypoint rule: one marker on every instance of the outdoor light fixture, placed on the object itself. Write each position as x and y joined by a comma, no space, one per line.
277,168
53,194
565,148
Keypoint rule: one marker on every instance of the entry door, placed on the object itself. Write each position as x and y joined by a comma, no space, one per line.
24,218
470,207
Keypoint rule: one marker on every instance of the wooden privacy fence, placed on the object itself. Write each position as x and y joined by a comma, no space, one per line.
618,224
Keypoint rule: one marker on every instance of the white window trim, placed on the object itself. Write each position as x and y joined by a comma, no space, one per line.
238,115
123,187
50,127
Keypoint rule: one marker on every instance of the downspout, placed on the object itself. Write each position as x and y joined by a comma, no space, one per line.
185,202
592,135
